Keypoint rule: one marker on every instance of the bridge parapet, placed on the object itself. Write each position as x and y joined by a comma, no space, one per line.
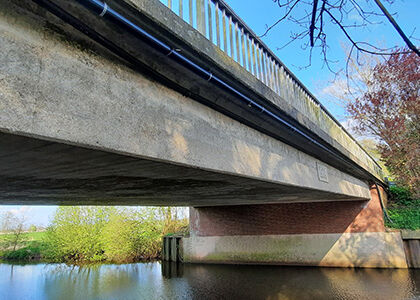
235,45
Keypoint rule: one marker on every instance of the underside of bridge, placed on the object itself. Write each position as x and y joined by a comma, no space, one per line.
35,171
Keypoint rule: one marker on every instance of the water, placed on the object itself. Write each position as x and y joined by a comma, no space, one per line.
172,281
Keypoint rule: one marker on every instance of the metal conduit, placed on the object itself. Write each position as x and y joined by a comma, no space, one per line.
103,10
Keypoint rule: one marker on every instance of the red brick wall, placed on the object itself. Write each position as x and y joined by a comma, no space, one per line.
289,218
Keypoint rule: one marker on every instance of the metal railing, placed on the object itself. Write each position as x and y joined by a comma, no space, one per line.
215,20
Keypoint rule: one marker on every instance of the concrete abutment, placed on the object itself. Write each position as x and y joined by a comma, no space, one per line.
331,234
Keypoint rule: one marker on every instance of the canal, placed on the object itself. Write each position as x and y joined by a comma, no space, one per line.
192,281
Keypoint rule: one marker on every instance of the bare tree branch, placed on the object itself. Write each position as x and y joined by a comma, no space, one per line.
312,26
397,28
311,17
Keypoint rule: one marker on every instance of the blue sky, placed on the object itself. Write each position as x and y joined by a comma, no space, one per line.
259,14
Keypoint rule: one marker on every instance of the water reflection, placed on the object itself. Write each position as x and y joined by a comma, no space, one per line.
177,281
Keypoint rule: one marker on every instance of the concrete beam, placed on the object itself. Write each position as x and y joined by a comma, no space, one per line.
291,101
36,171
58,86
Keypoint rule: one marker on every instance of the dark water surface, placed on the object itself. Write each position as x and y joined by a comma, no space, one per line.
172,281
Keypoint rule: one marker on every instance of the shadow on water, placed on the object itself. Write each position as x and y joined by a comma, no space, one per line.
192,281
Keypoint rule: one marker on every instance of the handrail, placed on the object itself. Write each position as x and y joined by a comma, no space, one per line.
239,42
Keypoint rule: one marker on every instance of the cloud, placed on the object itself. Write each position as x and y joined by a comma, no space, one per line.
21,210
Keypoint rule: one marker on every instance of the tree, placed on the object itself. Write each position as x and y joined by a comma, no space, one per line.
15,225
317,17
118,234
75,232
17,229
6,221
389,110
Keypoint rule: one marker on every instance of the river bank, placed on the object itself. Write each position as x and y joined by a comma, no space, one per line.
29,246
33,247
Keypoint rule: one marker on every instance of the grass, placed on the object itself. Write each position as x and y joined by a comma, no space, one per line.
29,247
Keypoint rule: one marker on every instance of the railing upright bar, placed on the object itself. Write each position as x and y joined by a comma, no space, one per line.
264,66
200,15
190,9
237,44
283,87
216,13
254,66
224,32
231,38
243,49
289,88
259,76
180,12
210,20
270,72
267,67
277,78
170,4
248,52
273,74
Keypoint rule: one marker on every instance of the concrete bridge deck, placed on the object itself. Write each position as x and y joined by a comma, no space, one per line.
80,123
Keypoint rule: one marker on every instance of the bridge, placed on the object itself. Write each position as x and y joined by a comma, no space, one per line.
141,102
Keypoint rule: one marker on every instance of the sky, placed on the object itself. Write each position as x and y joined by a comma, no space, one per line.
258,14
262,13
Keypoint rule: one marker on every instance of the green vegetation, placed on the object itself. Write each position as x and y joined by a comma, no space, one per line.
403,209
29,246
86,234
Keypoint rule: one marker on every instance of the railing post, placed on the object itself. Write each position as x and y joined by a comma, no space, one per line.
201,17
190,10
216,13
243,48
210,20
231,38
224,31
248,52
181,13
238,55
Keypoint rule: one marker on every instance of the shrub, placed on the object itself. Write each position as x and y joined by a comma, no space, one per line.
405,217
403,209
75,233
90,234
400,195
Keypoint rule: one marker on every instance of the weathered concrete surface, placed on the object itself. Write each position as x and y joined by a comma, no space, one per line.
337,234
410,234
367,250
58,86
292,100
43,172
